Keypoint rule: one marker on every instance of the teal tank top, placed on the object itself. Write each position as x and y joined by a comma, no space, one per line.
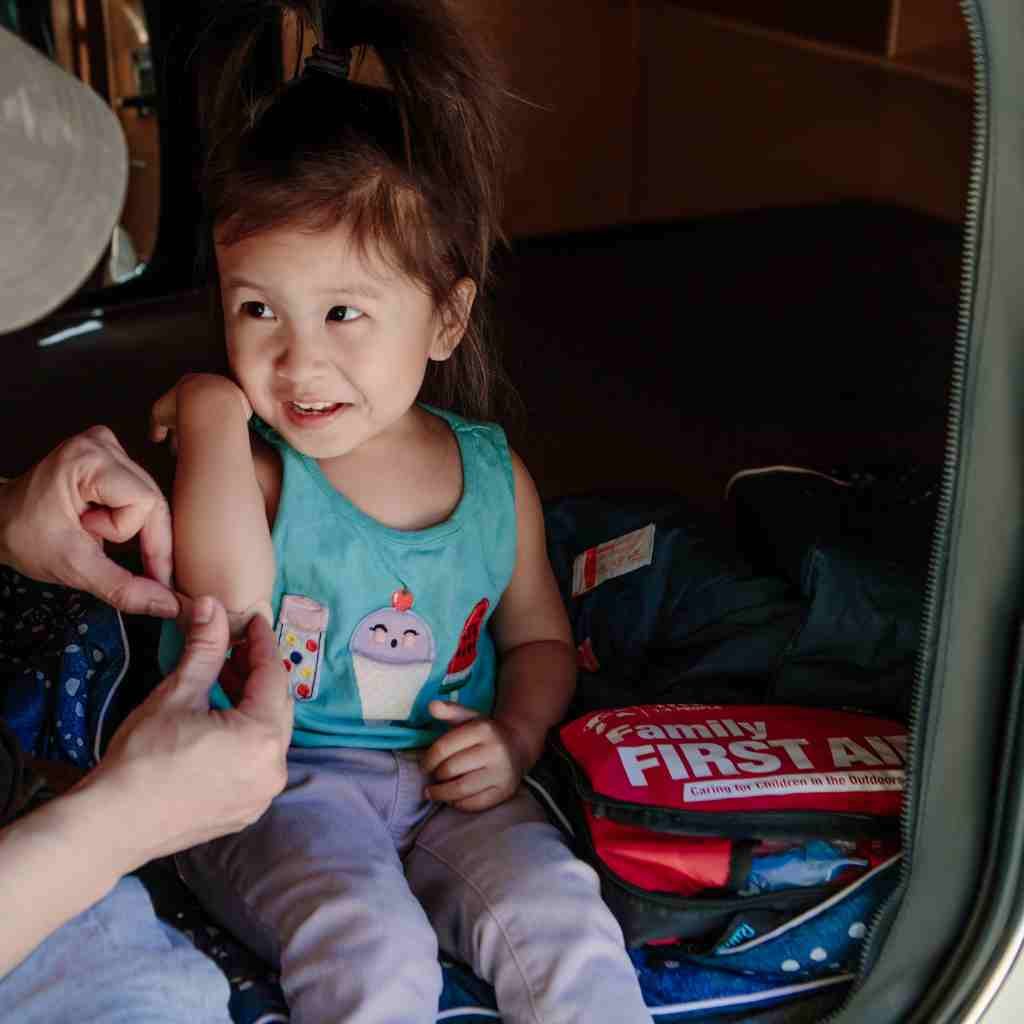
373,623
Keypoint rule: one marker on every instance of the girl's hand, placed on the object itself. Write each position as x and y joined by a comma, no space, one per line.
163,417
478,763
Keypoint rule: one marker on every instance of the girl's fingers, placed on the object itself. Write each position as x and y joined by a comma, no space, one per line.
470,759
452,711
447,746
462,788
482,801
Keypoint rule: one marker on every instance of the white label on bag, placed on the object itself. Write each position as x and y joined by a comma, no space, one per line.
616,558
786,785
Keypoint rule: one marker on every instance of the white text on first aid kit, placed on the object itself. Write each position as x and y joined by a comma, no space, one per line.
749,751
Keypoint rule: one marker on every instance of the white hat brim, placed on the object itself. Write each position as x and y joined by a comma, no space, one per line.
63,174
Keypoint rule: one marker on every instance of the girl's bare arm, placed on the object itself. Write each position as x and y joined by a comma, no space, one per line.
538,662
222,540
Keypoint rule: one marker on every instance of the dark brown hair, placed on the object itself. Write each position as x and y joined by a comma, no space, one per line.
413,169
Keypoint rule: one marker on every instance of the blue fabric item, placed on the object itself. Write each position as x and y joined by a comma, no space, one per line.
819,948
697,625
856,546
815,862
63,654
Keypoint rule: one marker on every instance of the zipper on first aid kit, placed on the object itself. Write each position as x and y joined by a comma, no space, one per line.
745,825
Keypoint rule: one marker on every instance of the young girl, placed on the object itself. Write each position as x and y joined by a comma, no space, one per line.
398,547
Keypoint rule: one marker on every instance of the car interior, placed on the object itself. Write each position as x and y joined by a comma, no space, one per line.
728,302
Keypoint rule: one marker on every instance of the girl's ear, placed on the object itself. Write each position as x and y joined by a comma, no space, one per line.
453,319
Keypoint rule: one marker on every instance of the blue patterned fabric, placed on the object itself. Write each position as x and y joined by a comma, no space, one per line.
817,949
63,654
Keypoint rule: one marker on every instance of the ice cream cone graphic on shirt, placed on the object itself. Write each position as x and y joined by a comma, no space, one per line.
461,665
392,655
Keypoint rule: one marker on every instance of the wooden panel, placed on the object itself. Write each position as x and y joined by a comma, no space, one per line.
925,147
736,120
92,14
931,36
63,34
127,32
923,24
571,145
861,24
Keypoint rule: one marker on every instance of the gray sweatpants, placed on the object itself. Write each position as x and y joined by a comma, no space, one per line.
116,963
351,880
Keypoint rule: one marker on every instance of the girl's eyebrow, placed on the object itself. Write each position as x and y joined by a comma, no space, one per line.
241,282
361,288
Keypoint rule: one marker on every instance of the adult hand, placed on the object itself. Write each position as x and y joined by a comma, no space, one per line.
181,773
55,518
478,763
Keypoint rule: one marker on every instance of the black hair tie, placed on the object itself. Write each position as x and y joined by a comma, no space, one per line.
335,63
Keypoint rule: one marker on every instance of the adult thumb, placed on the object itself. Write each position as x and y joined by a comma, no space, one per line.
265,694
206,646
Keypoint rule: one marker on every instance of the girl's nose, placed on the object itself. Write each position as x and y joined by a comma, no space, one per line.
300,357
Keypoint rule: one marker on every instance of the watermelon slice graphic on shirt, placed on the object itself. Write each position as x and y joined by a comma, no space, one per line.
462,661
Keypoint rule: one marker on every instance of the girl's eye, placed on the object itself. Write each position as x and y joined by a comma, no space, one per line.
341,313
257,310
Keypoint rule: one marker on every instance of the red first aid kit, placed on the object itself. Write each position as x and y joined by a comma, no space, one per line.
693,813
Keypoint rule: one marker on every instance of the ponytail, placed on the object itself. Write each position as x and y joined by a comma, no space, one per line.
414,169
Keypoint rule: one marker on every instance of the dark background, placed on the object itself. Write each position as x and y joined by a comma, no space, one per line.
734,230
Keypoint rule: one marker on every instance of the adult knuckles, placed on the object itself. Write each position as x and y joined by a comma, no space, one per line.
204,650
119,595
265,751
101,433
90,444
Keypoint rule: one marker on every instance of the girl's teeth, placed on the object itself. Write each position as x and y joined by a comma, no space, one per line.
312,406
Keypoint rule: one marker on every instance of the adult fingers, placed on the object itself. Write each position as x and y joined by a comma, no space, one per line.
266,695
233,676
115,481
133,504
88,568
206,645
152,524
105,436
156,541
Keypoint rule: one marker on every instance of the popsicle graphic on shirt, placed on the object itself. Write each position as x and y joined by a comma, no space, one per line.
392,655
301,624
461,665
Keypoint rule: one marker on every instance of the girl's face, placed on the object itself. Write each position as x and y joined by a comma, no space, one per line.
329,344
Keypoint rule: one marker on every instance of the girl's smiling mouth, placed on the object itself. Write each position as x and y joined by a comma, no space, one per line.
306,414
